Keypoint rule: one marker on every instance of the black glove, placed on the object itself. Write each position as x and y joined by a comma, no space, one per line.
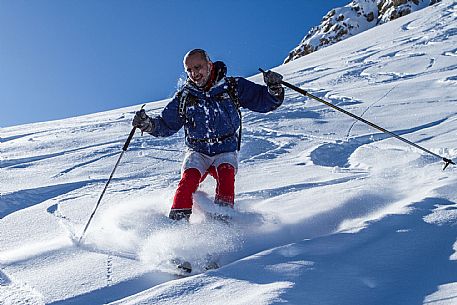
142,121
273,81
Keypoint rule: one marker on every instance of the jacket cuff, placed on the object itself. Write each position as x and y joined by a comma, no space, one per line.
277,91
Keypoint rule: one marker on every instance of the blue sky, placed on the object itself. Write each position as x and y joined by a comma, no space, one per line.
64,58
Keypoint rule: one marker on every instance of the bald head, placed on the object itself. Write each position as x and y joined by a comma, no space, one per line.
197,52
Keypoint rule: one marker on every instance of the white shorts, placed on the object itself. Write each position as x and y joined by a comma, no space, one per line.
202,162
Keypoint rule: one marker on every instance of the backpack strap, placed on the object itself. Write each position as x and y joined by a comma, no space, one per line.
185,99
182,96
233,93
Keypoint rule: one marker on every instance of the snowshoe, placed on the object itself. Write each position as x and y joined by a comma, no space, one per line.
219,217
211,266
182,265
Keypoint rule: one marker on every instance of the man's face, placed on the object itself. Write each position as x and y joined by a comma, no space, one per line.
198,69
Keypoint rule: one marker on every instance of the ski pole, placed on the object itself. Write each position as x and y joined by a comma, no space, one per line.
306,93
124,149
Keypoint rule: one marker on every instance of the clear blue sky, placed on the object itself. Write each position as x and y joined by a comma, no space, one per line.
64,58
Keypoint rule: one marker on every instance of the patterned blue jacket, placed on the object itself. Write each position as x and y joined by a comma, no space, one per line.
211,121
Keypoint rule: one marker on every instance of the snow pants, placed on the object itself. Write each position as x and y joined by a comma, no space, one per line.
196,167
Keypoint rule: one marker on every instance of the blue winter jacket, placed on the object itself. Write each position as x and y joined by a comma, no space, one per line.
212,120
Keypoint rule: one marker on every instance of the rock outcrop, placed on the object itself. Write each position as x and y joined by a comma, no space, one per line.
352,19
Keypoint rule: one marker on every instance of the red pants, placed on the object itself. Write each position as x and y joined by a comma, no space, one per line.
191,178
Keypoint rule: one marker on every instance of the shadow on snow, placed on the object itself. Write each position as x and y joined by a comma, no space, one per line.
399,259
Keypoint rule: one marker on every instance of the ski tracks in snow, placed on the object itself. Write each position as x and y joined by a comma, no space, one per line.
368,108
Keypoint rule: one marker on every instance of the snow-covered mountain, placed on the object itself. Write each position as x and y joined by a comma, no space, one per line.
328,210
352,19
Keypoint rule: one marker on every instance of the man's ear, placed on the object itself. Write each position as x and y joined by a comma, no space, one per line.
210,65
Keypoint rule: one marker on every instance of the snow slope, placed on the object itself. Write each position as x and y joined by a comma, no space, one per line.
328,210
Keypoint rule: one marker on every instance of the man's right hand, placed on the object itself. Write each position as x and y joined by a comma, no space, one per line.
142,121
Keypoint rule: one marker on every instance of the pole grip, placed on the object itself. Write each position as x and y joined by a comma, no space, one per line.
290,86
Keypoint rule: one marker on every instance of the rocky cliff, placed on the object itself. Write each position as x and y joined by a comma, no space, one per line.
352,19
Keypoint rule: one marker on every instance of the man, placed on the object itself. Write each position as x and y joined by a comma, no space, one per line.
208,108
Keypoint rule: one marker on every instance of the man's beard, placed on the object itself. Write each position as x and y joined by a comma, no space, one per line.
204,81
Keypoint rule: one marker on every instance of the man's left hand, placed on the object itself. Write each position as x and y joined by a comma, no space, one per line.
272,79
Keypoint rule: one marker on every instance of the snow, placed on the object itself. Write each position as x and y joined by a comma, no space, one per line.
328,210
